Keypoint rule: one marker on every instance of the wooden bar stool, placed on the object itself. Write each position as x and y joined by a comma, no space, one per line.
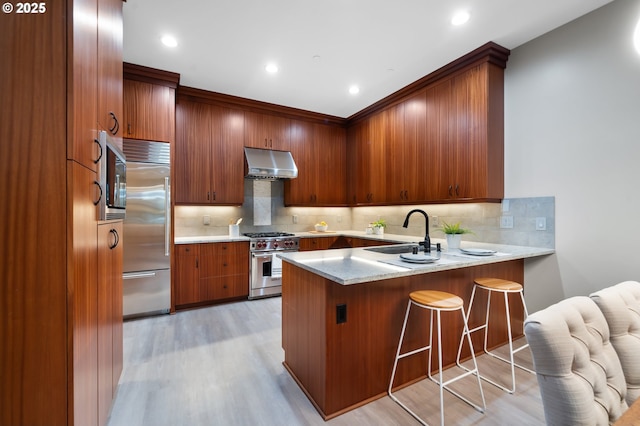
437,301
493,285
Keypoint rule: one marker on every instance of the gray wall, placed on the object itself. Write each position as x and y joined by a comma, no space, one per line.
572,130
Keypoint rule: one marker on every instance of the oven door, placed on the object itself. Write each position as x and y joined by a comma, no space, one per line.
266,275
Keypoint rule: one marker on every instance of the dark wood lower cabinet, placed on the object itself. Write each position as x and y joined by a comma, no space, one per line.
110,250
211,272
343,366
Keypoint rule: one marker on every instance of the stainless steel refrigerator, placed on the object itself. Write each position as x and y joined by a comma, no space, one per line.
147,229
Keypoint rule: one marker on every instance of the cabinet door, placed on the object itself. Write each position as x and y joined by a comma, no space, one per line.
301,190
478,132
227,156
193,153
399,159
438,159
187,274
316,243
370,161
83,66
330,154
415,171
267,131
109,314
110,116
149,111
83,281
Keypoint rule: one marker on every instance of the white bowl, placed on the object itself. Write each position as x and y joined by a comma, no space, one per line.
321,228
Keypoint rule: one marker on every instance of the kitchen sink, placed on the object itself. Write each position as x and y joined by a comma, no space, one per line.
395,249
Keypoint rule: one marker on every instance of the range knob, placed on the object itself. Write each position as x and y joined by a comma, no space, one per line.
275,244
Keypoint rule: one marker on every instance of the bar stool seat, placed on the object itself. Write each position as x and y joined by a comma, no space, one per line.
497,285
436,302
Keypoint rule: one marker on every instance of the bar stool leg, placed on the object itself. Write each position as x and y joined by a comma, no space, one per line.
443,385
485,326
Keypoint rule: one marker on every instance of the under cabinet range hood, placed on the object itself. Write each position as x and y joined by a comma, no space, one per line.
267,164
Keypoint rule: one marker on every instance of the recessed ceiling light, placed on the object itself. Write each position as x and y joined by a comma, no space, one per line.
169,41
354,90
460,18
271,68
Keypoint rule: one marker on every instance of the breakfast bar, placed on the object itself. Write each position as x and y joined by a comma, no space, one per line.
342,313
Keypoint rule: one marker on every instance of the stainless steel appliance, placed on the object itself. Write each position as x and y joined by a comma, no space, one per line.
147,229
113,180
265,270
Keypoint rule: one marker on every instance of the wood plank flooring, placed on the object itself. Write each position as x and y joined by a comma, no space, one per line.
222,365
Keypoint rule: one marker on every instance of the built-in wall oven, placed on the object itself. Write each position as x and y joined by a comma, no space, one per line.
265,269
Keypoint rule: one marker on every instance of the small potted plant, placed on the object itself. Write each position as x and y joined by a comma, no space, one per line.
454,234
378,226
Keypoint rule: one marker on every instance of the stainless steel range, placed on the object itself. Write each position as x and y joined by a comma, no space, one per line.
265,269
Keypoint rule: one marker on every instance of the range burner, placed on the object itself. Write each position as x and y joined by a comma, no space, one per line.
267,234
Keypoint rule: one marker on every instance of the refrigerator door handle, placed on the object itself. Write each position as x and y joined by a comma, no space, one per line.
134,275
167,213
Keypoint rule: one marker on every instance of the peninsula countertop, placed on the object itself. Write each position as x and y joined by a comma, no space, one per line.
359,265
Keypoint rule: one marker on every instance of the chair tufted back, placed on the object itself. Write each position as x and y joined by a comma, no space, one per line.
580,377
620,305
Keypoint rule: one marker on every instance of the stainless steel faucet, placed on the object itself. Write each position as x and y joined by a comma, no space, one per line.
427,240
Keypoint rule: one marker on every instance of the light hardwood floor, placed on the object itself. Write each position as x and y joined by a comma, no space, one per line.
222,365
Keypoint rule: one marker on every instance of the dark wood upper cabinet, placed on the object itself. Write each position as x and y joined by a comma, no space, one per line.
209,161
110,116
320,153
149,111
443,143
267,131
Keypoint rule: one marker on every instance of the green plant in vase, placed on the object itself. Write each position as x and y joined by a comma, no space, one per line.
454,234
378,226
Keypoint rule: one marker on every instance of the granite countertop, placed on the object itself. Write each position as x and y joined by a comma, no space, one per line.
310,234
359,265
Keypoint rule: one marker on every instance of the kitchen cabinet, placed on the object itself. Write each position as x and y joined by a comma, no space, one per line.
110,338
149,111
320,153
187,273
267,131
336,242
84,274
407,168
465,135
109,61
316,243
368,161
49,316
224,272
211,272
444,143
209,160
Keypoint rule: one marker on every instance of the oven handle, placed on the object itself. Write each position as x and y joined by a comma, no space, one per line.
264,255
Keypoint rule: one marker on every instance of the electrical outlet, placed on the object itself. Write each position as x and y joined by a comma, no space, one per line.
206,220
541,223
506,222
339,219
341,313
435,221
295,218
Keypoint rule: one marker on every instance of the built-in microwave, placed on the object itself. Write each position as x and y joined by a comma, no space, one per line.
113,180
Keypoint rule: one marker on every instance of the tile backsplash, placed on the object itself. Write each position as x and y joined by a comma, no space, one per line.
482,218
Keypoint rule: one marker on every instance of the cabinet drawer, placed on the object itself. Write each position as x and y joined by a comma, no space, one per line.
220,288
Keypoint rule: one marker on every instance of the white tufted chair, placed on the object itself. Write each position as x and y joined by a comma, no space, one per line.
620,305
580,376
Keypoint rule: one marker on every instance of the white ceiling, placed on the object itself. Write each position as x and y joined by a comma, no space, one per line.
379,45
